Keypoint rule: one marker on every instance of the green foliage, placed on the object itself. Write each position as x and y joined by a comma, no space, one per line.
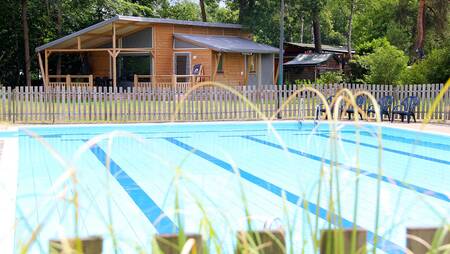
435,68
385,65
376,23
183,10
330,77
370,46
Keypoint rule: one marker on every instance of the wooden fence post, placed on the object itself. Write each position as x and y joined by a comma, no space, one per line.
90,245
91,80
419,240
338,241
68,80
173,244
266,242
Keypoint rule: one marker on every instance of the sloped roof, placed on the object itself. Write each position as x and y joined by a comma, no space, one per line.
131,21
328,48
309,59
223,43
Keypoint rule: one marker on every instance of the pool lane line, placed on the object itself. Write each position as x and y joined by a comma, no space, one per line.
405,140
418,156
383,244
363,172
162,223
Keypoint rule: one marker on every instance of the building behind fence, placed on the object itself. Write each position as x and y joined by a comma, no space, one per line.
150,104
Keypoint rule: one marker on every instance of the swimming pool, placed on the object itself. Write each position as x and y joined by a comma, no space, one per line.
217,171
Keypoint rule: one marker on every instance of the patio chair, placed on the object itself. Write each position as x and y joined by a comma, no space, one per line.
406,108
385,104
321,108
360,101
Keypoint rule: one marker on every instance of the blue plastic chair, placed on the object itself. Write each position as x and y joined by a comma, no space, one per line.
360,101
406,108
321,107
385,104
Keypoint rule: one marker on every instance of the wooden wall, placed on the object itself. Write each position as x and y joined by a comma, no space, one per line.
99,63
164,53
233,65
163,34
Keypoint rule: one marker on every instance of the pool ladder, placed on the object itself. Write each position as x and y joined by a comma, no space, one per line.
302,113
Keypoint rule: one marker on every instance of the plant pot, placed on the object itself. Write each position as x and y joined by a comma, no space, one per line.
89,245
339,241
267,242
172,244
419,238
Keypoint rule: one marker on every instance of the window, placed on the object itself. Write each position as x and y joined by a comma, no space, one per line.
220,64
130,64
251,64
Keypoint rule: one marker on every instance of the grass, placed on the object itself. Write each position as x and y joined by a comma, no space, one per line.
327,185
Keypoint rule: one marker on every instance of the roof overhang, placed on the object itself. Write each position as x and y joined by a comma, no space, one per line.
101,33
309,59
228,44
327,48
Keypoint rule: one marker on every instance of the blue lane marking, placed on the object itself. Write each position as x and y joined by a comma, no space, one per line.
405,140
386,179
151,210
383,244
390,150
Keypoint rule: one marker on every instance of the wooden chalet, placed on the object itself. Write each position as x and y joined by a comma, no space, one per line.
301,63
135,51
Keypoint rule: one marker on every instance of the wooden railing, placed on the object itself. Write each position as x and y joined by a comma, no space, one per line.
158,103
168,81
70,80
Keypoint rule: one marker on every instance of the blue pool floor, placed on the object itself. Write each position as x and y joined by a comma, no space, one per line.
216,172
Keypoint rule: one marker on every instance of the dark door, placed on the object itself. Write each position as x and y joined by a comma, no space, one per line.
182,66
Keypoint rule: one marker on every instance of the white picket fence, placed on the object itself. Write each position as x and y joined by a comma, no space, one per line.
149,104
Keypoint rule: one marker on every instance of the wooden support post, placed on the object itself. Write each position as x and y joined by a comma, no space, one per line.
90,245
135,80
419,238
171,244
78,42
41,67
46,54
174,80
266,242
340,241
91,81
68,80
114,54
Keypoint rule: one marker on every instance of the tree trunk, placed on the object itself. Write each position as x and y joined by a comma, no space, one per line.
420,29
242,7
59,29
316,31
203,9
302,24
350,24
26,41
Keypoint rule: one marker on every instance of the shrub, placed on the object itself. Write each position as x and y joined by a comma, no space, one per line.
435,68
330,77
385,65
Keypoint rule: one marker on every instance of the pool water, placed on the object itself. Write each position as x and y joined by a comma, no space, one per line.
137,178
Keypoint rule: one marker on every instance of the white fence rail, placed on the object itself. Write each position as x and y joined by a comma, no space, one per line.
147,104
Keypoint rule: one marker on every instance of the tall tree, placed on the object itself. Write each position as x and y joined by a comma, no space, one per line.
59,30
316,31
203,10
420,29
350,25
26,41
